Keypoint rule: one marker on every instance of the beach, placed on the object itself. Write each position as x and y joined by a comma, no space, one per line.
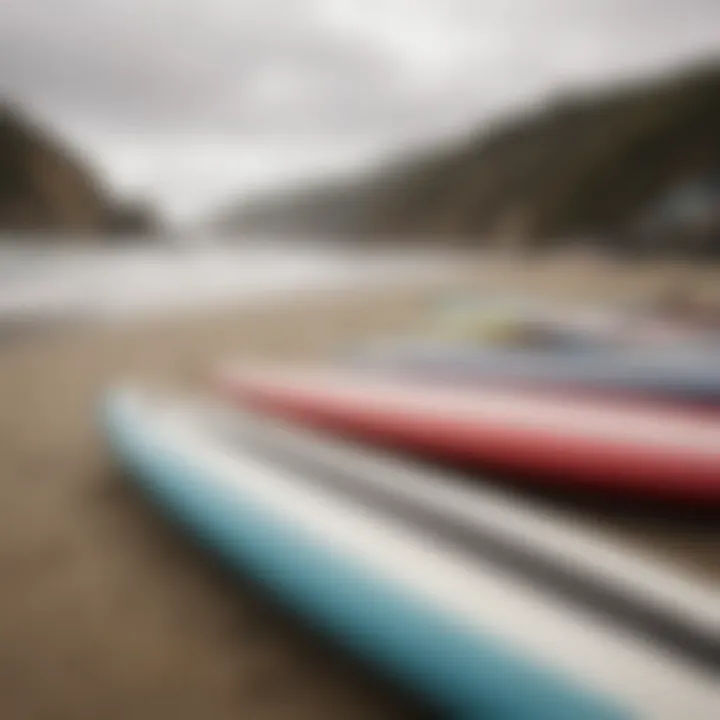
106,609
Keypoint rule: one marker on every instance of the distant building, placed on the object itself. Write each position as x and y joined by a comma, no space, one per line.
686,218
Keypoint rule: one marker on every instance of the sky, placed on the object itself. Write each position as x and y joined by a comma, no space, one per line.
194,102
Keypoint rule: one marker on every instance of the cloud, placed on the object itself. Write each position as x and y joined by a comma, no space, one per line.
215,66
138,81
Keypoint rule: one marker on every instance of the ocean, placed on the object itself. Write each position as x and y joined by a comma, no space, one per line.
103,282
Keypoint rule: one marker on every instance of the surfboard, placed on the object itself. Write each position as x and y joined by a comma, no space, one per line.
486,608
555,441
672,376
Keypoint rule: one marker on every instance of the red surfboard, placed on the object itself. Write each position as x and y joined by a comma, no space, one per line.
609,446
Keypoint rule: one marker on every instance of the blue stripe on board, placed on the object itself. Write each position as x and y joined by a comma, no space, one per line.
469,675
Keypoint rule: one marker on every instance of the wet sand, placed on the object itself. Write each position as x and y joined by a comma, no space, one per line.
106,610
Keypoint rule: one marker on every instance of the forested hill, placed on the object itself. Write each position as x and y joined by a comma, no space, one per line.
46,189
633,164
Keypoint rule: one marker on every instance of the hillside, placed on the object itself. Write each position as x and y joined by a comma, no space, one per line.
582,165
631,165
45,188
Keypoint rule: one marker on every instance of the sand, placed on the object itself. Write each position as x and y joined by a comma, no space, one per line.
107,611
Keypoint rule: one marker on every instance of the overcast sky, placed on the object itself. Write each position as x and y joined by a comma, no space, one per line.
195,101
